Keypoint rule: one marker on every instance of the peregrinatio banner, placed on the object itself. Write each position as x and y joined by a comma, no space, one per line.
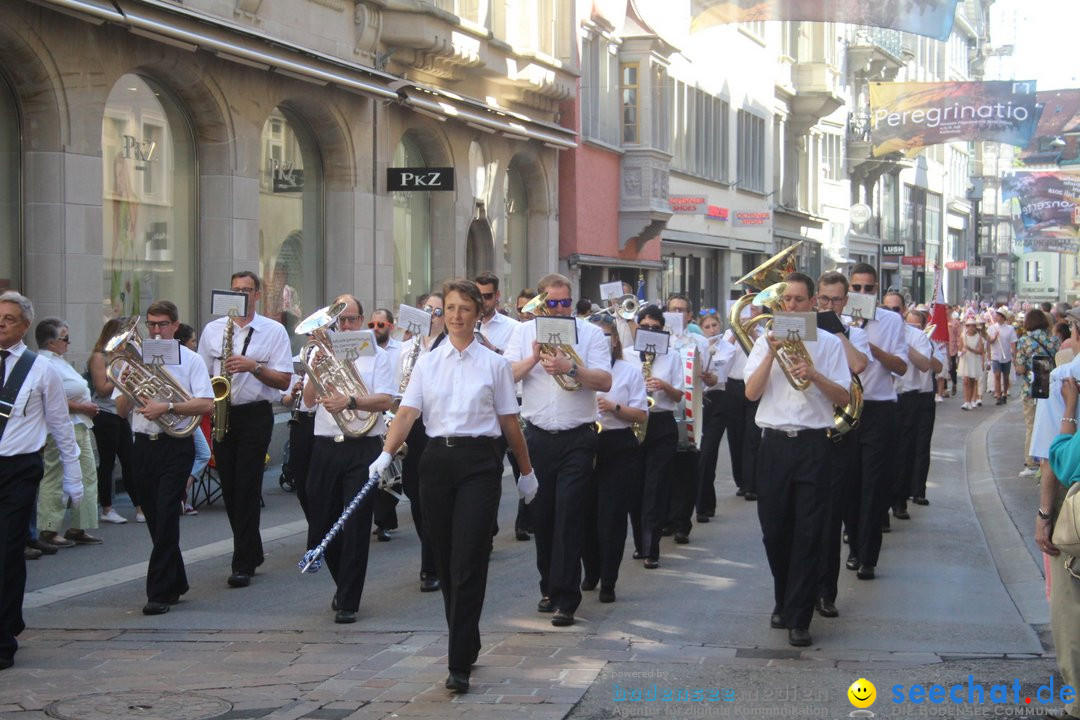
933,18
1046,206
906,117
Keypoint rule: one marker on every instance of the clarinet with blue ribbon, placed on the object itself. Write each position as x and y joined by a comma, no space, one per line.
312,559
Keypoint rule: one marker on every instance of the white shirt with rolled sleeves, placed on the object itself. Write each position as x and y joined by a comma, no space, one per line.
667,367
462,393
269,345
544,403
1050,410
190,374
886,331
499,331
913,379
1002,339
782,407
378,378
40,409
75,387
627,390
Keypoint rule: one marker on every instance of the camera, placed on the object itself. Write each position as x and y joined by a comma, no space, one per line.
1041,365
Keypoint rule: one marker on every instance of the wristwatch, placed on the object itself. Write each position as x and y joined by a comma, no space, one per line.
572,372
618,408
1043,515
352,402
258,368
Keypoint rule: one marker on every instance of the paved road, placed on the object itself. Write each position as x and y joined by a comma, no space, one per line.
959,592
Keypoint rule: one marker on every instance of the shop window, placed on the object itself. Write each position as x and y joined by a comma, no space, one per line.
630,102
290,234
515,263
9,191
412,230
148,200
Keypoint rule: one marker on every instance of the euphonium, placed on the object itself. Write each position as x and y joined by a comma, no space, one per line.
789,349
331,376
770,272
140,382
538,306
846,419
222,384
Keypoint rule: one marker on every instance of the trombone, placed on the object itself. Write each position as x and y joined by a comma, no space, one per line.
626,307
538,306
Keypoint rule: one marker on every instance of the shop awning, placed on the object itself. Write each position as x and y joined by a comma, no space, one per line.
602,261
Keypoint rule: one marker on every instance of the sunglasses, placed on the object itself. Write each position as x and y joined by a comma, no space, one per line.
861,288
64,339
565,302
437,312
488,296
378,324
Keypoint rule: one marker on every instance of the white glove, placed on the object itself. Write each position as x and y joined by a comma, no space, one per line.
527,487
72,490
381,463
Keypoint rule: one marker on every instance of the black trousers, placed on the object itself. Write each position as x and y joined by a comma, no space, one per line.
650,489
241,460
19,478
925,415
735,424
112,434
712,432
384,511
842,482
606,506
877,468
338,471
907,406
301,442
460,495
521,520
751,446
162,467
410,485
563,464
684,471
792,496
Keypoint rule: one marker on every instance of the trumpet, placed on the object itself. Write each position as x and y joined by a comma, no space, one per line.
625,307
330,375
538,306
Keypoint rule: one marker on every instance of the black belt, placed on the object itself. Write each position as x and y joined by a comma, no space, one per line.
462,441
257,405
910,392
616,430
157,436
579,428
806,432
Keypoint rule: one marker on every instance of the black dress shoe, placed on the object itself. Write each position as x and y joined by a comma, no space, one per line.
826,608
740,492
901,514
429,584
866,572
638,555
31,553
382,534
521,535
703,518
886,528
155,608
750,497
852,562
544,605
776,621
238,580
562,618
607,595
799,637
345,617
588,584
173,599
681,538
457,681
920,501
651,563
666,531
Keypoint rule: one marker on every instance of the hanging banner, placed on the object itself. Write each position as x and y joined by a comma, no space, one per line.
1046,209
906,117
933,18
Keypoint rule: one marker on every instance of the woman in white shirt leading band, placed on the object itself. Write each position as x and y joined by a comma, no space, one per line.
466,395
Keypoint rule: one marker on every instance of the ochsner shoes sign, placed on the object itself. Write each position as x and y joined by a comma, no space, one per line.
908,116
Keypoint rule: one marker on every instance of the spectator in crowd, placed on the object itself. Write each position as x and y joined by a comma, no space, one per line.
187,337
111,432
1036,341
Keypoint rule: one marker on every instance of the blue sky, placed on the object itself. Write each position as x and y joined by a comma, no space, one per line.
1044,33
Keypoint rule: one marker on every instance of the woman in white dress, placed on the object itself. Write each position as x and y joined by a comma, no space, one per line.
972,353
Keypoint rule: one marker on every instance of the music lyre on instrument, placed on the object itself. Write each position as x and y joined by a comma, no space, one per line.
538,306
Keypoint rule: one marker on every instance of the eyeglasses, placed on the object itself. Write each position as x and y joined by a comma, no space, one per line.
64,339
488,296
378,324
349,318
248,291
437,312
151,324
862,288
894,309
565,302
831,300
650,326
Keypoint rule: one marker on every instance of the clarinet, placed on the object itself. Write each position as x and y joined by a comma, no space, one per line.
312,560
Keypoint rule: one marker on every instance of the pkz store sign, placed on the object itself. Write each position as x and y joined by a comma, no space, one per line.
423,179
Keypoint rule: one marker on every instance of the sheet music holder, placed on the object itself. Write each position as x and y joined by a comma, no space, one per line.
161,352
556,331
652,341
795,326
414,321
860,307
224,301
354,344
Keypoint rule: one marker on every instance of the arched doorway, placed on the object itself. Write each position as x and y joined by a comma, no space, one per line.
412,229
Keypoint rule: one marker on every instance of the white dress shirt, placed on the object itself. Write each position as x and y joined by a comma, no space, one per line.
499,330
913,379
269,345
668,368
718,358
544,403
1050,410
737,361
1002,338
75,387
462,393
378,378
393,354
190,374
40,410
782,407
627,390
886,331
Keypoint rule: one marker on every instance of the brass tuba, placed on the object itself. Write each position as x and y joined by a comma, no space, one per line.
139,381
538,306
770,272
330,375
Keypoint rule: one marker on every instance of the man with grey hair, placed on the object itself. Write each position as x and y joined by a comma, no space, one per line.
32,405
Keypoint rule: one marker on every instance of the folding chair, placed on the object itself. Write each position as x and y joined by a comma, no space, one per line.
207,487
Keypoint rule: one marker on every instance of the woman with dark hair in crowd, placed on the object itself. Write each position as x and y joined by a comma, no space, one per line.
112,433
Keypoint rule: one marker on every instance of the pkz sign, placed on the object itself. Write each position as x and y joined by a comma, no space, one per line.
424,179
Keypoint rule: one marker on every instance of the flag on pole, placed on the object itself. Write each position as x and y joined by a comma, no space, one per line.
641,287
939,311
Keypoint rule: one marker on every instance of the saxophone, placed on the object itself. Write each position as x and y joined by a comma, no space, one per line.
222,384
640,428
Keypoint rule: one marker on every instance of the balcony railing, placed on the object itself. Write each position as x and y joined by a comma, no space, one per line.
891,41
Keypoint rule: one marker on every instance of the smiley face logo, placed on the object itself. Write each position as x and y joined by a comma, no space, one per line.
862,693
